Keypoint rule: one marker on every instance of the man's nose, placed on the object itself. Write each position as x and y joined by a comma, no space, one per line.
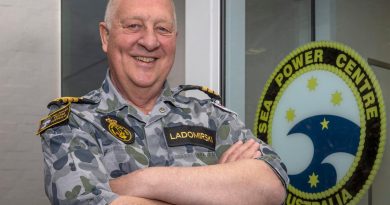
149,40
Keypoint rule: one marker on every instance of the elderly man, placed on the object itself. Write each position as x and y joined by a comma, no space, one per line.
136,141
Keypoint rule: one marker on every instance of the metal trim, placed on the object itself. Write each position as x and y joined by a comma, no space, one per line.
223,52
378,63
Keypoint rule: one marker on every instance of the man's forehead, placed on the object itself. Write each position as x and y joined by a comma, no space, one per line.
140,8
134,3
156,19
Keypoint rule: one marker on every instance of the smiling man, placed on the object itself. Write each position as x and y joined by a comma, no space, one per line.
137,141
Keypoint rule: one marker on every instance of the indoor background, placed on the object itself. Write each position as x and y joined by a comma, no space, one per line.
50,48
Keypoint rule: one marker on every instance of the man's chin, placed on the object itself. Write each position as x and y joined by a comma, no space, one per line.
147,84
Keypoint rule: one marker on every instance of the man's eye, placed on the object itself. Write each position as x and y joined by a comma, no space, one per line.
164,30
133,27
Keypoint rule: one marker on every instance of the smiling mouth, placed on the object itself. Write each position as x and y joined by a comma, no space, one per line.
145,59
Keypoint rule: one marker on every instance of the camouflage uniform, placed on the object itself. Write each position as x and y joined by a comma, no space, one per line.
81,155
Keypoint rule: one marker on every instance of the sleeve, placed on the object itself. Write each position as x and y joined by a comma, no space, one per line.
233,129
73,169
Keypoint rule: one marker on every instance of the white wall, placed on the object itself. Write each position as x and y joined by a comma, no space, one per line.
202,46
29,78
177,75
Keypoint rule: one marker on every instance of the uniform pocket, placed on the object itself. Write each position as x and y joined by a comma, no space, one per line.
120,159
192,156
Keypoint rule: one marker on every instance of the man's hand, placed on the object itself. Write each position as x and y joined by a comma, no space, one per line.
240,150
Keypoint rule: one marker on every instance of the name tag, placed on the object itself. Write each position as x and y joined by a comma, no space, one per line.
190,135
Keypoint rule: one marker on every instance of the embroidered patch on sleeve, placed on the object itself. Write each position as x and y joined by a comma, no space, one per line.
190,135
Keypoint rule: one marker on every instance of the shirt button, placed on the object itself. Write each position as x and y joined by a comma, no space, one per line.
162,110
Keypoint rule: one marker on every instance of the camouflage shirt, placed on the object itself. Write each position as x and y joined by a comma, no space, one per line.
104,137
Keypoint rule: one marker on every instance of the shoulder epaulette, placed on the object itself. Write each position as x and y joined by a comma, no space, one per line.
211,93
54,118
62,114
65,100
224,108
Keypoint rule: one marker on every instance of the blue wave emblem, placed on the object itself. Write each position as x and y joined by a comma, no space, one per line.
329,134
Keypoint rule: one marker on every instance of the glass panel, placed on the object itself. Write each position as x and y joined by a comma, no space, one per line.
362,25
259,34
82,60
380,190
268,30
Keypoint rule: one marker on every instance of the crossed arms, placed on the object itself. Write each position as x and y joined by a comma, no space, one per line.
238,178
76,174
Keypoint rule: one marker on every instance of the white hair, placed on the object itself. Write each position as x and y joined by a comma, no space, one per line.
110,8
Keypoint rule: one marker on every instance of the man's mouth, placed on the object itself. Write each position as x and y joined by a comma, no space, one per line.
145,59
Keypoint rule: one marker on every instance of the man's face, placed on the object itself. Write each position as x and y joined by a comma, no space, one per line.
140,42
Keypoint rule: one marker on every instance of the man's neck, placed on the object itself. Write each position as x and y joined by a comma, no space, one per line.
142,98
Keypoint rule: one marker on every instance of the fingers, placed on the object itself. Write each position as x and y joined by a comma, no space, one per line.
246,151
228,152
240,150
257,154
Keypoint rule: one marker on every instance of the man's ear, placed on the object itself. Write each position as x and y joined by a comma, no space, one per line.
104,35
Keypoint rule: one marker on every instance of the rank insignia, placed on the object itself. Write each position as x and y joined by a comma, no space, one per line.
54,118
118,128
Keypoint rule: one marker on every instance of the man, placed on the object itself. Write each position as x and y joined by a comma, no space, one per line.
136,141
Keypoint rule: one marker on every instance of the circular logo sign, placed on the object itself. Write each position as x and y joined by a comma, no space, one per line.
322,111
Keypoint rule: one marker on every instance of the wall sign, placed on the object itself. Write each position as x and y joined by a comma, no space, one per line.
323,112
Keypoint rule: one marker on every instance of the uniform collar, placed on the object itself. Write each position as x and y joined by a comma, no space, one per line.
171,96
111,100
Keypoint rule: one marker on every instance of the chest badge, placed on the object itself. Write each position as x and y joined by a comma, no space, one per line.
118,128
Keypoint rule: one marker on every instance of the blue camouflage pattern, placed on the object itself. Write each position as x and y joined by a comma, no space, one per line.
81,156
